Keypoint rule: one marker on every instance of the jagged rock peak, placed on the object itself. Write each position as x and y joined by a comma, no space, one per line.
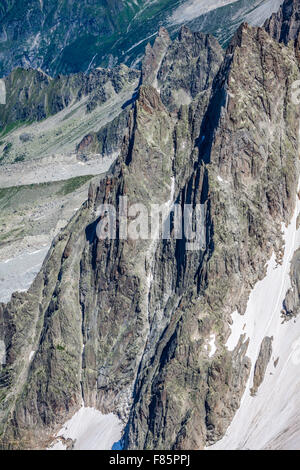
245,35
284,26
197,38
154,55
184,32
181,69
163,33
149,99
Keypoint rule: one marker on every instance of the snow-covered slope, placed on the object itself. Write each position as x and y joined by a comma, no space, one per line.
194,8
90,430
271,419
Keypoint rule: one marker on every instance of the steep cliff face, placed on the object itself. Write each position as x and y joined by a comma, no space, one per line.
139,327
243,220
197,57
284,26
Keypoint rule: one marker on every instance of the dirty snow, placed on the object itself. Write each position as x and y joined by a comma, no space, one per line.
258,16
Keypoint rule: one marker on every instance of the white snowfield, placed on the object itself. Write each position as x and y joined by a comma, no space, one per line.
271,419
91,430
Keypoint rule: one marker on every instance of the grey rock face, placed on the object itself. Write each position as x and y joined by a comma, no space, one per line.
33,96
261,365
284,26
154,56
197,56
291,307
108,140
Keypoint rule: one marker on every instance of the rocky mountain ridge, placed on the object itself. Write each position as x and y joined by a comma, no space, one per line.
284,25
139,328
34,96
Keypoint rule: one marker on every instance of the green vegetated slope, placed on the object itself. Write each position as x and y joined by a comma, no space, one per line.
70,36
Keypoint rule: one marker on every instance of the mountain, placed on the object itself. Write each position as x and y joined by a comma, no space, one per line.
169,343
55,135
284,24
67,36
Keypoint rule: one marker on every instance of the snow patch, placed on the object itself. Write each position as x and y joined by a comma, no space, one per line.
31,355
58,445
212,345
220,179
91,430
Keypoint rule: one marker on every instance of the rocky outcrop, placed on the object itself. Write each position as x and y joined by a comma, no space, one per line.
108,140
197,56
123,324
261,364
243,234
154,56
284,26
291,306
